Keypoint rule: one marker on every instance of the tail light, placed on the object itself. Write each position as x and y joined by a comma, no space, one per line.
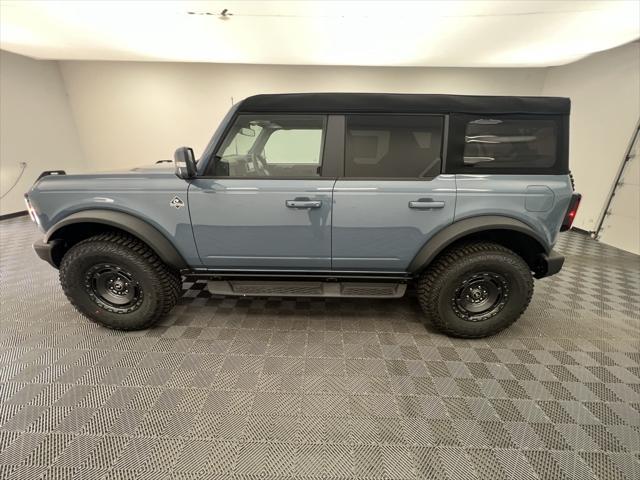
571,212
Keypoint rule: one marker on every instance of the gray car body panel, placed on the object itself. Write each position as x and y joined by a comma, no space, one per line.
375,229
245,223
145,194
362,225
540,201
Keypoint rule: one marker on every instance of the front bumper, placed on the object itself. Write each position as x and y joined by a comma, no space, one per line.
549,264
48,251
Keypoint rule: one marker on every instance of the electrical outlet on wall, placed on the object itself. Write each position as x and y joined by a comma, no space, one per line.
23,167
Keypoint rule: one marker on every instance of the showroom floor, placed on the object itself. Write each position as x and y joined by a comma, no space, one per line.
298,388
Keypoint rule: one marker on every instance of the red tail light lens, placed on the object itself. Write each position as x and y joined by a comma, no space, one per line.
571,212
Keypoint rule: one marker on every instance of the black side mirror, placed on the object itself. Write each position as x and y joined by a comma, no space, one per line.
185,163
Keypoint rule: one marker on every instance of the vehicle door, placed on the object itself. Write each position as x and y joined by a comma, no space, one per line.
392,196
265,203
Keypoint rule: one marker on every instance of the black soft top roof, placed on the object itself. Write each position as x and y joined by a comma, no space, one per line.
402,103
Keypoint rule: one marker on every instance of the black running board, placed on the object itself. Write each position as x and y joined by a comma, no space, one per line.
296,275
266,288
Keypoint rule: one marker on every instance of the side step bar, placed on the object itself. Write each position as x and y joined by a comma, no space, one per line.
264,288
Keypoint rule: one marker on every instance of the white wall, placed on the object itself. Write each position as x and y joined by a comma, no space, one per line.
135,113
605,107
36,126
621,226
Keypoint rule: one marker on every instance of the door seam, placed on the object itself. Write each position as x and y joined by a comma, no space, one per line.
333,188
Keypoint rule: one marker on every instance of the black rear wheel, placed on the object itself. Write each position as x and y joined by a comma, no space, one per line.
118,282
480,296
475,290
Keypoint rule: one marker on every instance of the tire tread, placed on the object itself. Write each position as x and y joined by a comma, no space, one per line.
169,282
428,285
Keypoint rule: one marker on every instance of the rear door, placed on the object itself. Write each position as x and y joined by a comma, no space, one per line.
266,204
391,197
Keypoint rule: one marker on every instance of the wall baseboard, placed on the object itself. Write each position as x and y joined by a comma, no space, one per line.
21,213
580,230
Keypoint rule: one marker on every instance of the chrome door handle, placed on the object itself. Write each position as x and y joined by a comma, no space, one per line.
425,204
303,203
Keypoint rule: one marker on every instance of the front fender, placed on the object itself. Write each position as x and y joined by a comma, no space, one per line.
137,227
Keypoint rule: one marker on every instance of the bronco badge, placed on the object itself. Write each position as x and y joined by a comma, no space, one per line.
176,202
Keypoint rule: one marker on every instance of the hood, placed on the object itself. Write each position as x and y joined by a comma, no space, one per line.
161,166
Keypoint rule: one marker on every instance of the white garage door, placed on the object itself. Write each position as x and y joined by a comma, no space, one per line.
621,226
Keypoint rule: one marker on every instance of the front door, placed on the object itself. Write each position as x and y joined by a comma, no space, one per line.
264,204
392,197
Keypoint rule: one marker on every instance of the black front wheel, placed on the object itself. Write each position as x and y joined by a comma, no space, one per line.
113,288
475,290
118,282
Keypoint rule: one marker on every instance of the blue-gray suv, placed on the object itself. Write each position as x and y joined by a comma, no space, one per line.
327,195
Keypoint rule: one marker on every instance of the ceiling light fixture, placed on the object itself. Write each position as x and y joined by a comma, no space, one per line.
223,15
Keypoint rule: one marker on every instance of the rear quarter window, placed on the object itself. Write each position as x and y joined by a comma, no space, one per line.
508,144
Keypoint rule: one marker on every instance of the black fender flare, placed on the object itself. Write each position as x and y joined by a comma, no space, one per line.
468,226
131,224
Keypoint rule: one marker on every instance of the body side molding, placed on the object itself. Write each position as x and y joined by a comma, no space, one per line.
137,227
468,226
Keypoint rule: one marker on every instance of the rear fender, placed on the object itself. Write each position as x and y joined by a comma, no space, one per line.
463,228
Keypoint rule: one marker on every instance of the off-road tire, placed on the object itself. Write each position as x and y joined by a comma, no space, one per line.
438,285
160,286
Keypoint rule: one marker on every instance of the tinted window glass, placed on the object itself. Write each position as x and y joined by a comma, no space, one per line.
272,146
242,141
393,146
294,146
508,143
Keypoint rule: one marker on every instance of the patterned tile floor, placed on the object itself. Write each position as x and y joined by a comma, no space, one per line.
321,389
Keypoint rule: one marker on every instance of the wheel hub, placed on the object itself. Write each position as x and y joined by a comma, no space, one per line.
480,296
113,288
477,294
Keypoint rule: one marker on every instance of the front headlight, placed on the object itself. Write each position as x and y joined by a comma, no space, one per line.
30,209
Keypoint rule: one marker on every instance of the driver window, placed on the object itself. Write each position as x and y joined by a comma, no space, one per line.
242,141
272,146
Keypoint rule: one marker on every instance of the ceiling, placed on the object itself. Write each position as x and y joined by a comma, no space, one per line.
466,33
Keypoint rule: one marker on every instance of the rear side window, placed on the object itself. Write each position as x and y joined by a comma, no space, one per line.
393,146
508,144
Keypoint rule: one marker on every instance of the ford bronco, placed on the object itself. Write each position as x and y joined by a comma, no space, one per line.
327,195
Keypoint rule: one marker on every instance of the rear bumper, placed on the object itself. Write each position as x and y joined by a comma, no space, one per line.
47,251
549,264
